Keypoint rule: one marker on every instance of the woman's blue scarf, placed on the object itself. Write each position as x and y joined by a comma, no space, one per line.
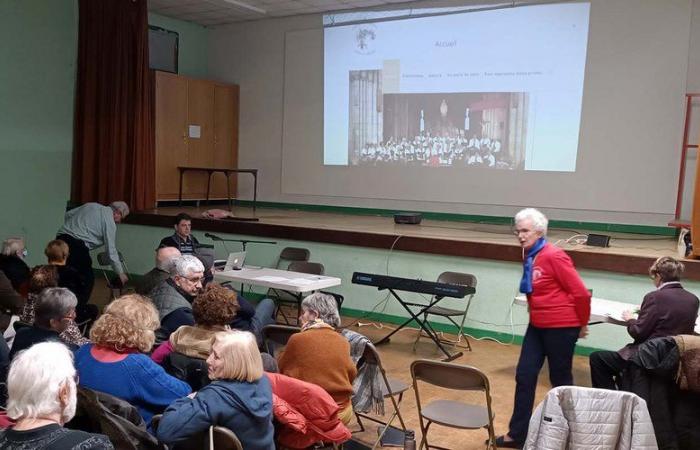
526,281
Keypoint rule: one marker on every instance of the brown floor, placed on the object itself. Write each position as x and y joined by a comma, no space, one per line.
496,360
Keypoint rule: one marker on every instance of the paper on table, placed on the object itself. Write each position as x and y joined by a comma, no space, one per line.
270,279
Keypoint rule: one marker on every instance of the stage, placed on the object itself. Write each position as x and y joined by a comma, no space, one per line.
628,253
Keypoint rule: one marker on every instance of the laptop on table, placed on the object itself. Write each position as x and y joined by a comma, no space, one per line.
235,261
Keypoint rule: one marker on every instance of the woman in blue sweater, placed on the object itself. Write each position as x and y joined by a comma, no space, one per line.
239,398
115,362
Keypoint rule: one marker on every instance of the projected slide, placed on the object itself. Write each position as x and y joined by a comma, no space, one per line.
494,89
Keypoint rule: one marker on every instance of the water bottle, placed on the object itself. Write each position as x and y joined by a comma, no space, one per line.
409,442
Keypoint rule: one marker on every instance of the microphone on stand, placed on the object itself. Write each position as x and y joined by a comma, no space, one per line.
213,237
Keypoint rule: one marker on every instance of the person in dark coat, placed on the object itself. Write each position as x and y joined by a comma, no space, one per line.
42,398
675,413
53,314
667,311
57,253
165,262
13,265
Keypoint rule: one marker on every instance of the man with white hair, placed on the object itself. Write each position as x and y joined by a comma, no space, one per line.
88,227
173,297
165,260
42,391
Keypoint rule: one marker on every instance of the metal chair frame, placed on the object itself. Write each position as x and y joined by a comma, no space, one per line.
287,256
463,279
216,437
104,261
455,377
371,356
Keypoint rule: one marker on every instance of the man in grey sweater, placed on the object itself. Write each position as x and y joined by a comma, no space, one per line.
88,227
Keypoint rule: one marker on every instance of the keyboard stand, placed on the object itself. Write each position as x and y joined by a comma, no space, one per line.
421,323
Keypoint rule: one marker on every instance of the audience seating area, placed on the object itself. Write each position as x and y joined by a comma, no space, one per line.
225,357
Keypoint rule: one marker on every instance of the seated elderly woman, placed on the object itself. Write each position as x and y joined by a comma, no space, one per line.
43,277
53,313
239,398
114,364
213,311
321,355
42,397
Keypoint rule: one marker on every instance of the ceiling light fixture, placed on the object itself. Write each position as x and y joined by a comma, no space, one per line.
246,6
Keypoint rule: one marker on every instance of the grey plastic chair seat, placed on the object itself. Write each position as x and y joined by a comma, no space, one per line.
396,386
456,414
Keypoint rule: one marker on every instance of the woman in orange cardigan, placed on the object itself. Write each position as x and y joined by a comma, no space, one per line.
321,355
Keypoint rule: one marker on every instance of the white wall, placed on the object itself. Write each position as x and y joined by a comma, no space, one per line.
631,127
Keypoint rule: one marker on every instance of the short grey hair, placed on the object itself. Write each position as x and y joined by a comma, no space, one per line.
325,306
539,220
35,379
120,206
186,265
166,257
54,303
12,245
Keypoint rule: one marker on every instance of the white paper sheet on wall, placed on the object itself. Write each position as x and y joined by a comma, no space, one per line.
195,131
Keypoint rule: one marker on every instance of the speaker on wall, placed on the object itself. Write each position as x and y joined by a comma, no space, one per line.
162,49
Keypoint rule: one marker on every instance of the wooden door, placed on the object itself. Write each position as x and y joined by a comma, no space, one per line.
200,113
171,133
225,137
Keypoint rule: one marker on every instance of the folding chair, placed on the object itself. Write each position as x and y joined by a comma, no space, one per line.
287,256
291,254
215,438
104,262
291,298
339,299
391,388
462,279
276,336
452,413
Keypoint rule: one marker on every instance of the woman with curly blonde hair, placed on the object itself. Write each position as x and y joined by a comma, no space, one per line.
115,362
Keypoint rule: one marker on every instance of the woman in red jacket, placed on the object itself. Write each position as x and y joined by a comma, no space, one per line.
559,306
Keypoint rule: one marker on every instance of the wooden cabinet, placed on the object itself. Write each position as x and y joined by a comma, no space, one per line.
196,125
